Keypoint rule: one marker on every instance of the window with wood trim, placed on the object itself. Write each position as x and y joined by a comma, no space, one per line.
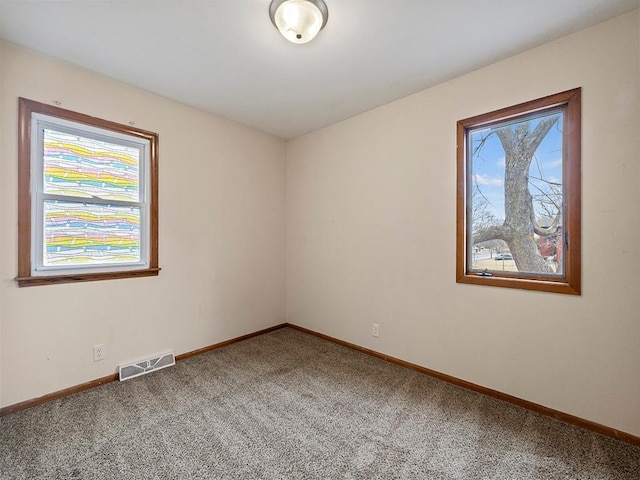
518,199
88,198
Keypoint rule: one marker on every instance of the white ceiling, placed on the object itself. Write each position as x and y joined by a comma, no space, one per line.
225,56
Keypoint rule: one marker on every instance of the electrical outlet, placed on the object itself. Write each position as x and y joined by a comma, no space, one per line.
375,330
99,352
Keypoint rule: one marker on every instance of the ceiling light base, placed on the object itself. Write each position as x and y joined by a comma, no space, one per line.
299,21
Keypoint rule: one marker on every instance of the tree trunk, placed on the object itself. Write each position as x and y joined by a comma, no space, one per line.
518,229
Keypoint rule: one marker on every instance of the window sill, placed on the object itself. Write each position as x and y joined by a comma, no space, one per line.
84,277
561,285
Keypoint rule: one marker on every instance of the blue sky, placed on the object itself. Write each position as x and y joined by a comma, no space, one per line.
488,165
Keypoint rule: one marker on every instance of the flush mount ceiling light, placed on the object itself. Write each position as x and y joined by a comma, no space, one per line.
299,21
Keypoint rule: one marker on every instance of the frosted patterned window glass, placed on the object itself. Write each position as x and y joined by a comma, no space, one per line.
85,167
89,234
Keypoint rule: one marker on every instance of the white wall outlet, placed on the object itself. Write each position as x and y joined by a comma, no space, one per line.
375,329
99,352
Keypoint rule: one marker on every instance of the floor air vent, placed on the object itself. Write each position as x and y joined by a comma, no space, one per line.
145,366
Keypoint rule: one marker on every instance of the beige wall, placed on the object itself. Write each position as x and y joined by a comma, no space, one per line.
222,214
1,218
371,227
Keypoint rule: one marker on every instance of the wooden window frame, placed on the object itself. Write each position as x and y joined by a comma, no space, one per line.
570,281
25,278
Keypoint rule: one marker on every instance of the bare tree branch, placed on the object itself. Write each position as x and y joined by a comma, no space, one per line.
549,182
544,194
483,140
499,232
550,230
540,132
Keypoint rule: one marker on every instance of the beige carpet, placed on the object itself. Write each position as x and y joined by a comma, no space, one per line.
287,405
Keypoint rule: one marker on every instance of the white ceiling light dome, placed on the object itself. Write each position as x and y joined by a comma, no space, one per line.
299,21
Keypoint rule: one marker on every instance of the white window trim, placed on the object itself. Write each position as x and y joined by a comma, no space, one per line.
38,123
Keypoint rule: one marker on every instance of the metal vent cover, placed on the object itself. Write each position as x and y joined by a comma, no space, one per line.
136,369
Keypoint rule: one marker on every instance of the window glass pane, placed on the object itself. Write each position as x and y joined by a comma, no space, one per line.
90,234
85,167
516,196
